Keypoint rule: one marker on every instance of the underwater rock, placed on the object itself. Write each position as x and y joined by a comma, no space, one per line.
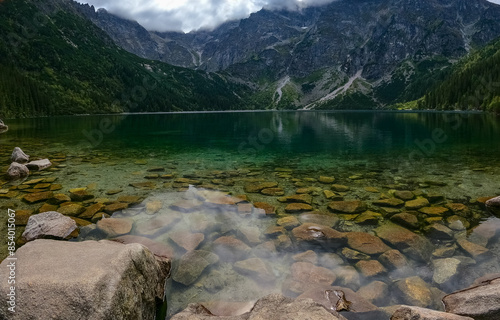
298,207
404,195
444,270
458,208
376,292
472,249
406,219
256,269
60,279
71,209
80,194
438,231
417,313
159,249
256,187
92,210
414,291
22,217
116,206
329,297
481,302
366,243
349,207
368,218
304,276
434,211
348,276
289,222
39,164
340,188
370,268
17,171
186,240
19,156
320,217
232,249
311,232
391,202
48,225
38,196
408,242
272,191
192,264
307,256
353,255
268,208
297,198
114,227
326,180
416,204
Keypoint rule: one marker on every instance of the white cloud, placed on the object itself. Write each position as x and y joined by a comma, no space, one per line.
495,1
185,15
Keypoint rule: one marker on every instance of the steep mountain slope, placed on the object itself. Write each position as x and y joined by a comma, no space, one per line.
474,84
348,54
53,60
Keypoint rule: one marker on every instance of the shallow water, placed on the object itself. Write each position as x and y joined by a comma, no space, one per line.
454,155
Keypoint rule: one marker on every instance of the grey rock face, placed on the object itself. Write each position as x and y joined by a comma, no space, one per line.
416,313
273,306
19,156
17,171
480,302
49,224
91,280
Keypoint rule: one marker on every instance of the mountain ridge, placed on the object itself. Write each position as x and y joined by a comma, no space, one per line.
301,59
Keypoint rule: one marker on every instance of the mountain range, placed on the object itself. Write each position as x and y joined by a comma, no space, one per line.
62,57
348,54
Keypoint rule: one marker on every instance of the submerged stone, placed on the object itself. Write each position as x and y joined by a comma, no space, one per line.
298,207
408,242
349,207
192,264
257,269
366,243
414,291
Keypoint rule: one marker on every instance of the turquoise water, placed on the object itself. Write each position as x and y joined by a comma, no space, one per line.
454,155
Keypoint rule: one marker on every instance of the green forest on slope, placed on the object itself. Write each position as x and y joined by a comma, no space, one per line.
474,84
53,61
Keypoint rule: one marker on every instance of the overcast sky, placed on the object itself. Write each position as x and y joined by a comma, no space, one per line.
187,15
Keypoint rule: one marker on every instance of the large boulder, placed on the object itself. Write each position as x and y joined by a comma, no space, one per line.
274,306
417,313
17,171
481,302
19,156
84,280
48,225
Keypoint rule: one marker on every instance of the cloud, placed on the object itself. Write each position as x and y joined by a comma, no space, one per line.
185,15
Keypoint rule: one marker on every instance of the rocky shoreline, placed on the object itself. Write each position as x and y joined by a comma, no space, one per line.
394,242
